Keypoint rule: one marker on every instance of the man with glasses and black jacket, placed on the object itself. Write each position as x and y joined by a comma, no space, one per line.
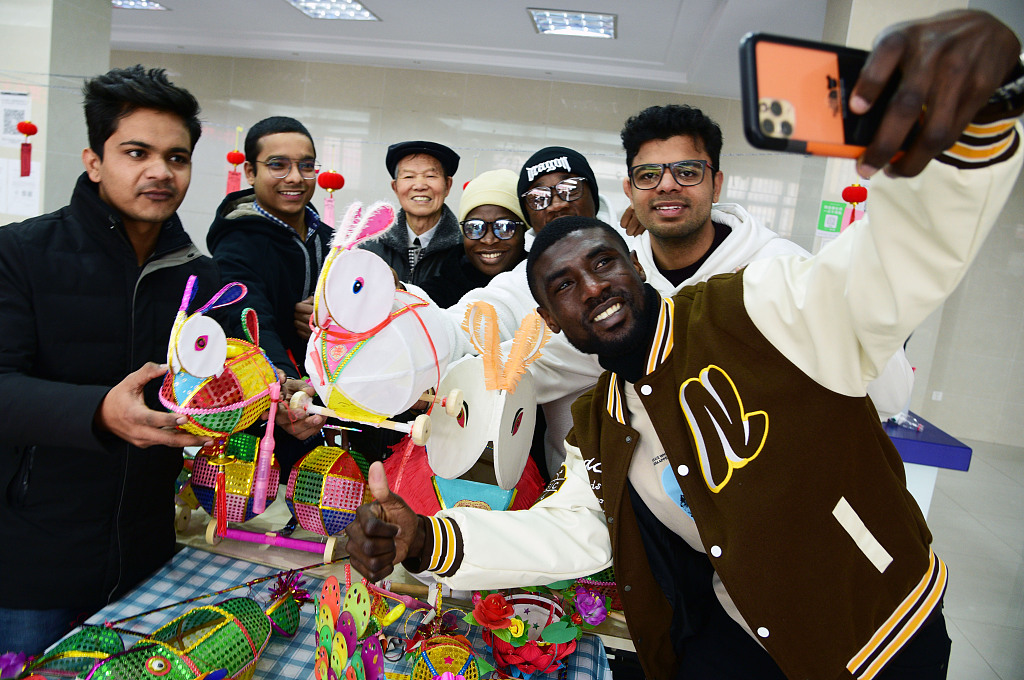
271,239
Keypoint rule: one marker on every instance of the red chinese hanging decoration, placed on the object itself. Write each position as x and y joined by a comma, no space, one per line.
236,158
853,195
28,129
331,181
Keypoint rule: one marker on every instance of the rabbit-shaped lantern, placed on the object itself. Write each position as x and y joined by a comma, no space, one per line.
375,349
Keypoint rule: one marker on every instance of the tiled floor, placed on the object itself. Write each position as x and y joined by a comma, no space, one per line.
977,520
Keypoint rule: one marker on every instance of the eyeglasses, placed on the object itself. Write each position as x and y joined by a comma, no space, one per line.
685,173
279,168
504,228
570,189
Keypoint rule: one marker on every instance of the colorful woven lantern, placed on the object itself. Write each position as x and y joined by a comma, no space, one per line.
28,129
223,640
240,476
325,489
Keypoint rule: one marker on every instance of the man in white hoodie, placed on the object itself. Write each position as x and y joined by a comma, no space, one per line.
688,238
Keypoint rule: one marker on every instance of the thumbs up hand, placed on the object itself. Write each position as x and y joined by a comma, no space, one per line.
385,531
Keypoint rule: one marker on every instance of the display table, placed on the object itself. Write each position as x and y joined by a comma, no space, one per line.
923,453
193,572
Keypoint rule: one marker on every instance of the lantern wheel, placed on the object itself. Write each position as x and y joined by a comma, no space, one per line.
211,533
453,402
182,517
420,429
330,548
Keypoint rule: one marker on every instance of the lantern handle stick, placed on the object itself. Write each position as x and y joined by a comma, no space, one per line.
418,430
238,131
265,454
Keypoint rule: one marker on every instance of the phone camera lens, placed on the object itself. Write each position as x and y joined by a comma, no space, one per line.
786,128
776,109
768,126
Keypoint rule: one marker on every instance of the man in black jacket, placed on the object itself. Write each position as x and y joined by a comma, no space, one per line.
88,295
271,239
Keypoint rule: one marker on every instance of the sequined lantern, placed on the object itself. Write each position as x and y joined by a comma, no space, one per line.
239,473
325,489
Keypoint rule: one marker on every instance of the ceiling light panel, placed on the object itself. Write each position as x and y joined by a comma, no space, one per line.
137,4
571,22
345,10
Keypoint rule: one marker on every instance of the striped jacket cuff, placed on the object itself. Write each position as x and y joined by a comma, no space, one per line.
983,144
444,536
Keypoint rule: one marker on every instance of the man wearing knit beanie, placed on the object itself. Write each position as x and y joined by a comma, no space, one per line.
555,182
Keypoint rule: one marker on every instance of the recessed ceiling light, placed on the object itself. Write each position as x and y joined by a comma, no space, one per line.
138,4
570,22
345,10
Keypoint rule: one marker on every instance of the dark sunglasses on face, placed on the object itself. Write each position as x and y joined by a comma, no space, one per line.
504,228
570,189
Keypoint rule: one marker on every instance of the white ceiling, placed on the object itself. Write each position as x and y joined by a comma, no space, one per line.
670,45
686,46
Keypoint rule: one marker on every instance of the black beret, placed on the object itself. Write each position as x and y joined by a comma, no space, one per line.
449,159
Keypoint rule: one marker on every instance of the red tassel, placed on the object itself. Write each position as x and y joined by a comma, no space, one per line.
26,159
234,181
221,507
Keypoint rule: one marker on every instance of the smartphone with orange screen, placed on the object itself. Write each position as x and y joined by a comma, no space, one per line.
795,96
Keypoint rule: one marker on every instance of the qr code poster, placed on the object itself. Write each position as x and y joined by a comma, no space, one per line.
16,107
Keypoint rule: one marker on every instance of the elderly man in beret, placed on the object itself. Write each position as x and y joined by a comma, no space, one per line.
426,230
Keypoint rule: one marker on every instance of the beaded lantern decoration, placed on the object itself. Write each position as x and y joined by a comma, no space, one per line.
221,640
326,487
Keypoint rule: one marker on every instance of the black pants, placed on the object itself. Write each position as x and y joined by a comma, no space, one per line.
722,650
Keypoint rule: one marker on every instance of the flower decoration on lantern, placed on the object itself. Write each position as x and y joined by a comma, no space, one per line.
11,663
854,194
331,181
533,629
28,129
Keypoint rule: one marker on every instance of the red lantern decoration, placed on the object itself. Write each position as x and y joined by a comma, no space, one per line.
28,129
853,195
466,184
331,181
236,158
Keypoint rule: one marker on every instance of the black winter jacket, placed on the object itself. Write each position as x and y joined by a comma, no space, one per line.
393,247
84,516
276,266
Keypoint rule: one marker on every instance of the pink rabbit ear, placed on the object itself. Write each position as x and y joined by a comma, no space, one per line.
343,235
380,216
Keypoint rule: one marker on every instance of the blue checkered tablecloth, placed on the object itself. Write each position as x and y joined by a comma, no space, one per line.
194,572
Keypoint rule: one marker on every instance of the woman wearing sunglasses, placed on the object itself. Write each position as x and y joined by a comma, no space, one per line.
493,237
